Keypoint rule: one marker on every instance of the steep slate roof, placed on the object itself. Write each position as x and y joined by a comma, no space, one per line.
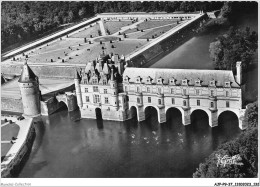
220,76
27,75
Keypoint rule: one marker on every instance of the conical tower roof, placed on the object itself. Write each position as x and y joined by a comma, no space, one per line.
27,74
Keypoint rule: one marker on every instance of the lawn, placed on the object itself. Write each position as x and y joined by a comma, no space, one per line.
87,32
9,131
150,24
115,26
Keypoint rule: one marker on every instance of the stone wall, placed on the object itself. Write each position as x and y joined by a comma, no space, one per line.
42,71
11,104
13,168
163,47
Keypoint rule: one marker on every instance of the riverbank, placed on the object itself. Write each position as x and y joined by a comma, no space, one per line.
18,153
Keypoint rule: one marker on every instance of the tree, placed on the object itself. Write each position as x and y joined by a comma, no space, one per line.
82,12
234,46
252,115
246,146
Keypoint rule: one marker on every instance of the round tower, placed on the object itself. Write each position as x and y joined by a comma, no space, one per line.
114,90
30,92
78,90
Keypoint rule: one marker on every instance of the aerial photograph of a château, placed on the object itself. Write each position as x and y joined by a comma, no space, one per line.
129,89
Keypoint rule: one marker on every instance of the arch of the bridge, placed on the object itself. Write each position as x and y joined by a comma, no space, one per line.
229,110
167,109
233,112
208,112
62,99
174,107
155,107
133,110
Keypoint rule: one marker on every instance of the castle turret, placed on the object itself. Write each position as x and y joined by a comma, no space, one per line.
30,92
78,89
239,72
113,86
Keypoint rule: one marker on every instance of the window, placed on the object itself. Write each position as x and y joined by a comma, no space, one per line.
184,103
211,92
173,101
105,91
96,99
106,100
126,88
148,90
95,88
227,84
87,98
159,90
172,90
159,101
197,83
86,89
184,82
138,100
211,105
227,94
138,89
227,104
198,102
94,81
149,99
184,92
104,82
197,92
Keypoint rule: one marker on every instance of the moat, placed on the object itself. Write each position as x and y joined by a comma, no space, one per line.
64,148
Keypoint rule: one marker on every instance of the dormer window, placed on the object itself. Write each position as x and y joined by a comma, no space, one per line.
126,79
227,84
160,80
172,81
104,82
94,81
184,82
197,82
212,83
149,80
138,80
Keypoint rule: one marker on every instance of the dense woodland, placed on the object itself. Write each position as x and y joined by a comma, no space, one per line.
27,20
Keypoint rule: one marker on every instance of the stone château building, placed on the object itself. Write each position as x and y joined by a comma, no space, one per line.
106,89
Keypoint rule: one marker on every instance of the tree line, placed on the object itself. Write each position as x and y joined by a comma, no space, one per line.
26,20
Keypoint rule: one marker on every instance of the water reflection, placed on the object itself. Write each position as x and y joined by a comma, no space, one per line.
96,148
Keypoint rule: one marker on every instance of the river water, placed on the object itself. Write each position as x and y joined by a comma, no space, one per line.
90,148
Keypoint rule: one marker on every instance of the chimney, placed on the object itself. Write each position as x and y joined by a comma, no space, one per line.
239,72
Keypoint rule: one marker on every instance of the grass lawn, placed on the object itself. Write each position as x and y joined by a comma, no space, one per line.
9,131
87,32
150,24
5,147
115,26
156,32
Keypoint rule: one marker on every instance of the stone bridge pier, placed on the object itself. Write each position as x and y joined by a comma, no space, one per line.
52,104
70,100
186,112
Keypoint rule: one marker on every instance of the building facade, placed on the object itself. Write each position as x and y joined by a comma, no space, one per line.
105,87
